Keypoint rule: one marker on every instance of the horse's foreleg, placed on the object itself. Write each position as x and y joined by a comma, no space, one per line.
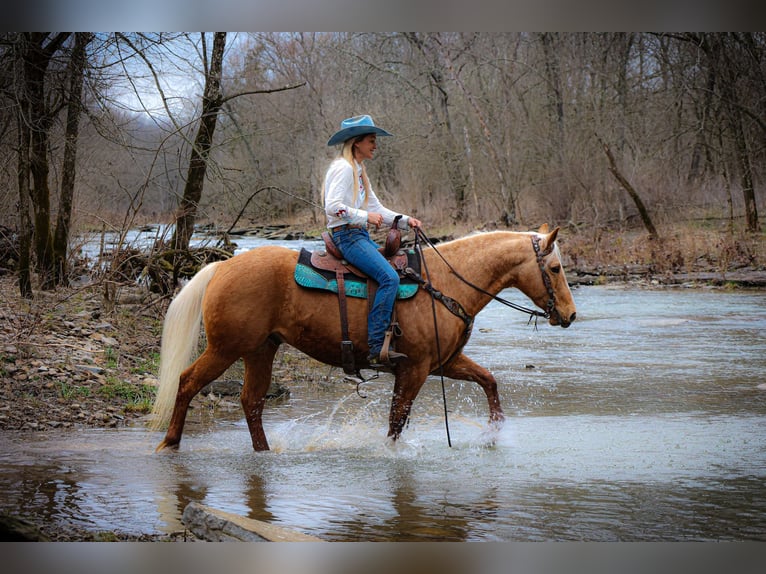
464,369
406,388
258,368
208,367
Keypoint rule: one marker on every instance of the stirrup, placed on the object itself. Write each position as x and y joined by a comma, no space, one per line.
387,360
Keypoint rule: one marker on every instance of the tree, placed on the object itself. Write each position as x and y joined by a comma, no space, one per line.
36,114
212,100
77,64
735,71
627,186
451,151
724,52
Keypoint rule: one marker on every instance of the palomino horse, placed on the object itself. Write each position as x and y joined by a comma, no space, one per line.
251,304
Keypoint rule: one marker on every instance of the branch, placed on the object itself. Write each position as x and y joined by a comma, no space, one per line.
269,91
256,192
155,75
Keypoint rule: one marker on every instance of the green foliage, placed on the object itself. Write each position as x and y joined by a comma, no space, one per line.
139,398
69,392
111,358
148,364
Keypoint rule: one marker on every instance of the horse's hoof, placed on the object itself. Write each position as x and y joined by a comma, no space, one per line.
165,445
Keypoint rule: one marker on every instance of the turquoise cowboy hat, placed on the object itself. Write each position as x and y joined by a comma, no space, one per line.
356,126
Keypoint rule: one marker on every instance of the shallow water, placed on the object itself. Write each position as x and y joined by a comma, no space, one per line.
642,421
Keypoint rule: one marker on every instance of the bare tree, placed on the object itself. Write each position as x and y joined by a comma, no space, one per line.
25,223
504,120
212,100
627,186
77,65
734,61
37,112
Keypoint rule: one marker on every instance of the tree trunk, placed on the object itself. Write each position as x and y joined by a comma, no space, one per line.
211,105
449,148
509,217
555,97
25,223
645,218
36,57
722,57
35,65
61,235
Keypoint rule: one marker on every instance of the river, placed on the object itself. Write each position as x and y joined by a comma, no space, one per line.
643,421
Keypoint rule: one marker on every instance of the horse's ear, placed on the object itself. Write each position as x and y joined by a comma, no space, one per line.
544,228
549,240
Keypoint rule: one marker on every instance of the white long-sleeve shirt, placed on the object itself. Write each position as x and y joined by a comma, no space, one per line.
339,204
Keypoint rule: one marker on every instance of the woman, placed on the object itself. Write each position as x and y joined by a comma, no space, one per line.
351,205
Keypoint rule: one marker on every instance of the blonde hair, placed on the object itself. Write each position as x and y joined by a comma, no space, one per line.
347,153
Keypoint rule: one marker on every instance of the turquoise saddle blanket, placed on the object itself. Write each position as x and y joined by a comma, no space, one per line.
306,275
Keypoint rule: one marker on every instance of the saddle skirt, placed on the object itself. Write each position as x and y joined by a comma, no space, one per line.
318,270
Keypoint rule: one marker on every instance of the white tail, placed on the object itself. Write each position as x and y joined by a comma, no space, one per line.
180,334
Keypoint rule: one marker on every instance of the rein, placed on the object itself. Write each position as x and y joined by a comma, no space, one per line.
533,313
457,309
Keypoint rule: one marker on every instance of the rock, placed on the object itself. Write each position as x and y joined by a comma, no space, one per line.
14,529
101,338
219,526
231,388
90,369
277,392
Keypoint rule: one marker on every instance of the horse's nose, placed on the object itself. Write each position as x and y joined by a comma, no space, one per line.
566,322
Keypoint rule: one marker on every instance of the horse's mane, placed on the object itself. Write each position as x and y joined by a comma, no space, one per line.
499,232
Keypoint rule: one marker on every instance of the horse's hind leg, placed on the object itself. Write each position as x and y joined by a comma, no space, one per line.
464,369
208,367
258,368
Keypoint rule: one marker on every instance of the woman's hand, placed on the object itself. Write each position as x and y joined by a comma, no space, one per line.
375,219
414,222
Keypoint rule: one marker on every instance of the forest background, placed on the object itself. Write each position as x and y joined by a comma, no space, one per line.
648,148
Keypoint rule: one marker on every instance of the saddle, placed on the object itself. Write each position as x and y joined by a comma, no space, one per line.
328,270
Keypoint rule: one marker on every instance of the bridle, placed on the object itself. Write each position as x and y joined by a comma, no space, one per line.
539,255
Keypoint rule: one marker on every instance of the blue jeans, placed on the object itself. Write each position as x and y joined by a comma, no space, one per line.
362,252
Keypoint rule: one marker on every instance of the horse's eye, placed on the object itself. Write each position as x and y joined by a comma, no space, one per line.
556,269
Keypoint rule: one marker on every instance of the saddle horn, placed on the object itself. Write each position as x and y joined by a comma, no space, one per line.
393,239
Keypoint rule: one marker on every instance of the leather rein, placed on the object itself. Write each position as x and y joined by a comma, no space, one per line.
533,313
459,311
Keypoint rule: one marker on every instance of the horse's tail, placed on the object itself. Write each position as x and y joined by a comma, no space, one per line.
180,334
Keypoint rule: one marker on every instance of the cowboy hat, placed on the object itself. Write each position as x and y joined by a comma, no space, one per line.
356,126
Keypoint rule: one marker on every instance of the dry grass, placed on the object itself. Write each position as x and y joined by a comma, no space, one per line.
677,250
